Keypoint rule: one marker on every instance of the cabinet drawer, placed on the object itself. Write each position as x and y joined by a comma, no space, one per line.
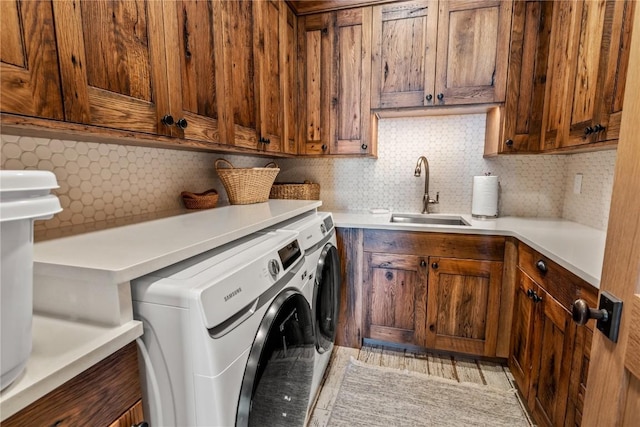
563,285
95,397
464,246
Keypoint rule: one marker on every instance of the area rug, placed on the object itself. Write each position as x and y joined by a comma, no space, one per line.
376,396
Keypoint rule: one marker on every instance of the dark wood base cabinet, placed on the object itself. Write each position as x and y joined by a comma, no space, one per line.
107,394
549,355
430,290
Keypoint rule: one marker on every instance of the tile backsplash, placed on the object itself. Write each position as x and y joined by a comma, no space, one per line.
530,185
103,182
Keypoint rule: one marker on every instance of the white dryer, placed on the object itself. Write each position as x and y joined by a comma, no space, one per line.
318,240
228,336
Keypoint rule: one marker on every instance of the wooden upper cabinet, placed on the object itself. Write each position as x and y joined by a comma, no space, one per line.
430,53
351,101
335,79
113,63
193,41
289,81
30,79
472,51
404,54
463,305
586,72
529,51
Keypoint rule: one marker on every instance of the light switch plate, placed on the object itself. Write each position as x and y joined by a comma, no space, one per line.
577,184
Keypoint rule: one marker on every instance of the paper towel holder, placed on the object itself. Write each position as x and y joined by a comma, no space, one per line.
483,212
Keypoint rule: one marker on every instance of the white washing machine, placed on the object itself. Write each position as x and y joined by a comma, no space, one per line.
317,237
228,336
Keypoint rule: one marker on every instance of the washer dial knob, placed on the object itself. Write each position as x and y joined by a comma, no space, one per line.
274,268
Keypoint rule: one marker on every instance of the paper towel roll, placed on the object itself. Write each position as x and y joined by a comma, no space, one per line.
484,202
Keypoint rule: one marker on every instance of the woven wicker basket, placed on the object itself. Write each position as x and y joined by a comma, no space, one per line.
299,191
206,200
246,185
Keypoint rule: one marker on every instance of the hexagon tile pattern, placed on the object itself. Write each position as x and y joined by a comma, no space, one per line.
102,182
105,182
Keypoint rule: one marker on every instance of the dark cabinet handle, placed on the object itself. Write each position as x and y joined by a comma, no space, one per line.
509,143
434,266
264,140
530,293
429,97
536,298
142,424
581,313
440,96
364,146
182,123
423,263
598,128
167,120
324,147
542,266
588,130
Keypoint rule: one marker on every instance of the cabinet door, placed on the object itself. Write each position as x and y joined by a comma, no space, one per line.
595,69
350,104
554,336
463,305
395,298
113,63
404,54
586,72
289,61
194,55
579,373
315,41
522,333
268,36
240,92
472,51
29,76
529,51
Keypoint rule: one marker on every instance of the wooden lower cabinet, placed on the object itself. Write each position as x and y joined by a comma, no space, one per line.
426,290
107,394
549,353
463,305
396,298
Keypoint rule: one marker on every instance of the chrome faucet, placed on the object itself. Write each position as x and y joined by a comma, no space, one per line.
426,200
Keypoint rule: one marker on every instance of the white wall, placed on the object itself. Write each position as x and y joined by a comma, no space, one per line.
102,182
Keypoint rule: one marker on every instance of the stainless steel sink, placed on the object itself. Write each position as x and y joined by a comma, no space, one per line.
428,219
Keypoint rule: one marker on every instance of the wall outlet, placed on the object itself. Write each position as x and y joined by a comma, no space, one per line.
577,184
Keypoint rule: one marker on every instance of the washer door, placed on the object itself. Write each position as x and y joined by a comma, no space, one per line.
277,380
326,298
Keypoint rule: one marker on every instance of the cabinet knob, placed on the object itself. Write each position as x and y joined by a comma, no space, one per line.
530,293
509,143
167,120
324,147
588,130
598,128
423,263
364,146
182,123
536,297
440,96
542,266
581,313
434,266
429,97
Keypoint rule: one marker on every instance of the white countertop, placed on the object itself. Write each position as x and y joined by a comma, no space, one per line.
61,350
576,247
124,253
